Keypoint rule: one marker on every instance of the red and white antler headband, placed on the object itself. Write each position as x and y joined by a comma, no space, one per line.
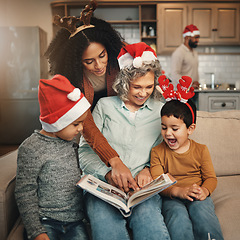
182,94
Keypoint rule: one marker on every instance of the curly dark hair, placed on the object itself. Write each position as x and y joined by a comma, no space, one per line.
65,55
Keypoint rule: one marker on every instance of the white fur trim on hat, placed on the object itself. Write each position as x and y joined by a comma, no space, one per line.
74,113
191,34
125,60
148,57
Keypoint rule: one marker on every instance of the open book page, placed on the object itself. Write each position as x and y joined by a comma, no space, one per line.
118,198
154,187
105,191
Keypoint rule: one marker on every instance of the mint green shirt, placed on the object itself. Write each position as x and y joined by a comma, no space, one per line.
132,135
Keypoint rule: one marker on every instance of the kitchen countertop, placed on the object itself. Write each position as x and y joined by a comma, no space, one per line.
209,90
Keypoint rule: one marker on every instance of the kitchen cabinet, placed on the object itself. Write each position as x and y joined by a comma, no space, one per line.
172,19
218,23
148,21
135,21
213,101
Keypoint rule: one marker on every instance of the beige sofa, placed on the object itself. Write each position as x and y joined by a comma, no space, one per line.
220,131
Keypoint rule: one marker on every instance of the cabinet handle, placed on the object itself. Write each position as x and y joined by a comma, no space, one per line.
214,29
224,104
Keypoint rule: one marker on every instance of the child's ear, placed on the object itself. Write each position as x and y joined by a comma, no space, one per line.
191,128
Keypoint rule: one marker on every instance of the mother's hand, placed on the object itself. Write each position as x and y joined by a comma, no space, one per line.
108,177
121,175
144,177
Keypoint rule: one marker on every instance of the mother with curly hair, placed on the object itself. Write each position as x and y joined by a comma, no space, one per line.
87,56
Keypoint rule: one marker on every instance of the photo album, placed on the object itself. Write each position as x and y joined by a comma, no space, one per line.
119,199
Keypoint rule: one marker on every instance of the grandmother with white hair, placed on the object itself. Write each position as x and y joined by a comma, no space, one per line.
131,124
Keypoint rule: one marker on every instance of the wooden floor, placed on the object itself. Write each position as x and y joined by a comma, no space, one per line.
7,148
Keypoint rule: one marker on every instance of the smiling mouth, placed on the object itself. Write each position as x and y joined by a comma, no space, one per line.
100,71
141,98
171,142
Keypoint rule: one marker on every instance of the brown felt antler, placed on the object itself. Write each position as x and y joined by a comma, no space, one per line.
86,14
70,22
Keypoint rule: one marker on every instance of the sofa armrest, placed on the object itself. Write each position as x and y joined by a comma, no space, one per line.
8,208
17,231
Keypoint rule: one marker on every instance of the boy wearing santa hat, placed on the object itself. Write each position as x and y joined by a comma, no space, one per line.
50,205
184,60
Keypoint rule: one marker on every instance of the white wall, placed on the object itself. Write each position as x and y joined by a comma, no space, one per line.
27,13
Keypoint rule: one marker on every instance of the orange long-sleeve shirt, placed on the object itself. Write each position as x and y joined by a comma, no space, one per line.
193,166
90,131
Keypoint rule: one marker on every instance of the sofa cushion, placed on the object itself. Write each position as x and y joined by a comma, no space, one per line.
8,208
213,129
226,199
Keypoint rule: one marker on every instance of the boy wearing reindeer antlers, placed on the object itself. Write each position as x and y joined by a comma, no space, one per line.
50,204
187,206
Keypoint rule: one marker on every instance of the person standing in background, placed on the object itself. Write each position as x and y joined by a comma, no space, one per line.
184,60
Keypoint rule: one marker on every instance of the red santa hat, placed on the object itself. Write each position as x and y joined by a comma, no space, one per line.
60,103
191,30
136,54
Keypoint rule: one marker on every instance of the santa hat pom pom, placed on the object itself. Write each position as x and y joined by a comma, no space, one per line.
74,95
148,57
137,62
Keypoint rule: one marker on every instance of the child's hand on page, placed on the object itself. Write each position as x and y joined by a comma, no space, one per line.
144,177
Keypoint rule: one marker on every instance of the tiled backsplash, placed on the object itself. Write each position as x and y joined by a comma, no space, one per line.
226,67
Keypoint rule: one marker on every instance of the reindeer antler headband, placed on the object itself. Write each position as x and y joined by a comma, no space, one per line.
70,22
182,94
